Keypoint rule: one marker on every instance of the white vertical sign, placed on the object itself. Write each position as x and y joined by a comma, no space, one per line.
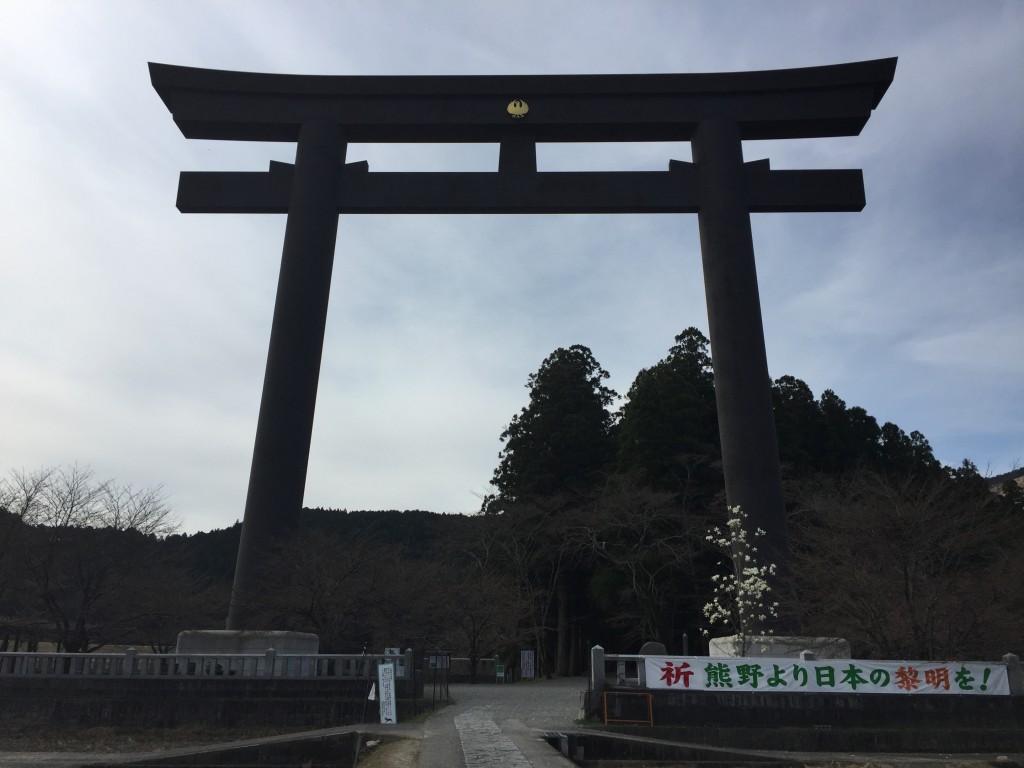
386,685
526,665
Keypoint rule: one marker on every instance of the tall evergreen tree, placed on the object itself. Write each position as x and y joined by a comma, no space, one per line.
798,424
557,451
852,435
668,431
561,442
899,452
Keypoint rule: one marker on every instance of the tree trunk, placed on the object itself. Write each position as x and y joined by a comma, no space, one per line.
574,642
562,665
543,662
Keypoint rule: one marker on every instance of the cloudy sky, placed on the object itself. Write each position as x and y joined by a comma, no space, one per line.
133,338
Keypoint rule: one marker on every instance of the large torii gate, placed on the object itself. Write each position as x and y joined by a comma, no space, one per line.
322,114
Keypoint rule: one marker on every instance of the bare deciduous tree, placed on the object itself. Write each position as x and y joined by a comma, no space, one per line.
86,555
330,588
482,613
914,566
653,540
124,508
530,541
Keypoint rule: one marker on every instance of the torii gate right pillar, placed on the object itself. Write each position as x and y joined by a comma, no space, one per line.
750,453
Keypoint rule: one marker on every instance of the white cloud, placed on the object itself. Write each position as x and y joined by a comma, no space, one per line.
135,337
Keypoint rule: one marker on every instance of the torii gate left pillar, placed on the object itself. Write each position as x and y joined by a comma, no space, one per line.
280,457
715,112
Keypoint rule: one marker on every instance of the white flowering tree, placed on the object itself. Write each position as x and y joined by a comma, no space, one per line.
742,598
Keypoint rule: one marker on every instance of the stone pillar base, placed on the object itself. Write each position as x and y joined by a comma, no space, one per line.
779,646
229,641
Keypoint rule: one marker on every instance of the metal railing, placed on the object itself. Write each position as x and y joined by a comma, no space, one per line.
624,670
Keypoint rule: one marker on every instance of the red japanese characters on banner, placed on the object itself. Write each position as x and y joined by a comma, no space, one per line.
702,673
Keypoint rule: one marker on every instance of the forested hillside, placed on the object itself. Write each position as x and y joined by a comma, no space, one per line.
596,532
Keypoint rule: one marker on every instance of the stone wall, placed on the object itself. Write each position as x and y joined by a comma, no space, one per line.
822,721
770,710
162,702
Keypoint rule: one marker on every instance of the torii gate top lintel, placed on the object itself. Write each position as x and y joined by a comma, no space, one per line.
834,100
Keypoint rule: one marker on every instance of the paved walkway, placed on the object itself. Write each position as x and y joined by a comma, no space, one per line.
501,726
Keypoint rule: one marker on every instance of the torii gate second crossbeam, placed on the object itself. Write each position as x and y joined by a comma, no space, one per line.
715,112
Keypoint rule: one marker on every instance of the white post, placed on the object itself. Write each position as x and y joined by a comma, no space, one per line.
596,676
128,665
1014,674
409,668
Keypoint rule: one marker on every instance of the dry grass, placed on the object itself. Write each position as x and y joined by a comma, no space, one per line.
34,738
391,753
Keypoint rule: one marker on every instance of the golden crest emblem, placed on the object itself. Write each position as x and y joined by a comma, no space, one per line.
517,108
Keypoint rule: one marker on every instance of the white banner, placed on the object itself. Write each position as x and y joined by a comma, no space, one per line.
386,684
767,675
